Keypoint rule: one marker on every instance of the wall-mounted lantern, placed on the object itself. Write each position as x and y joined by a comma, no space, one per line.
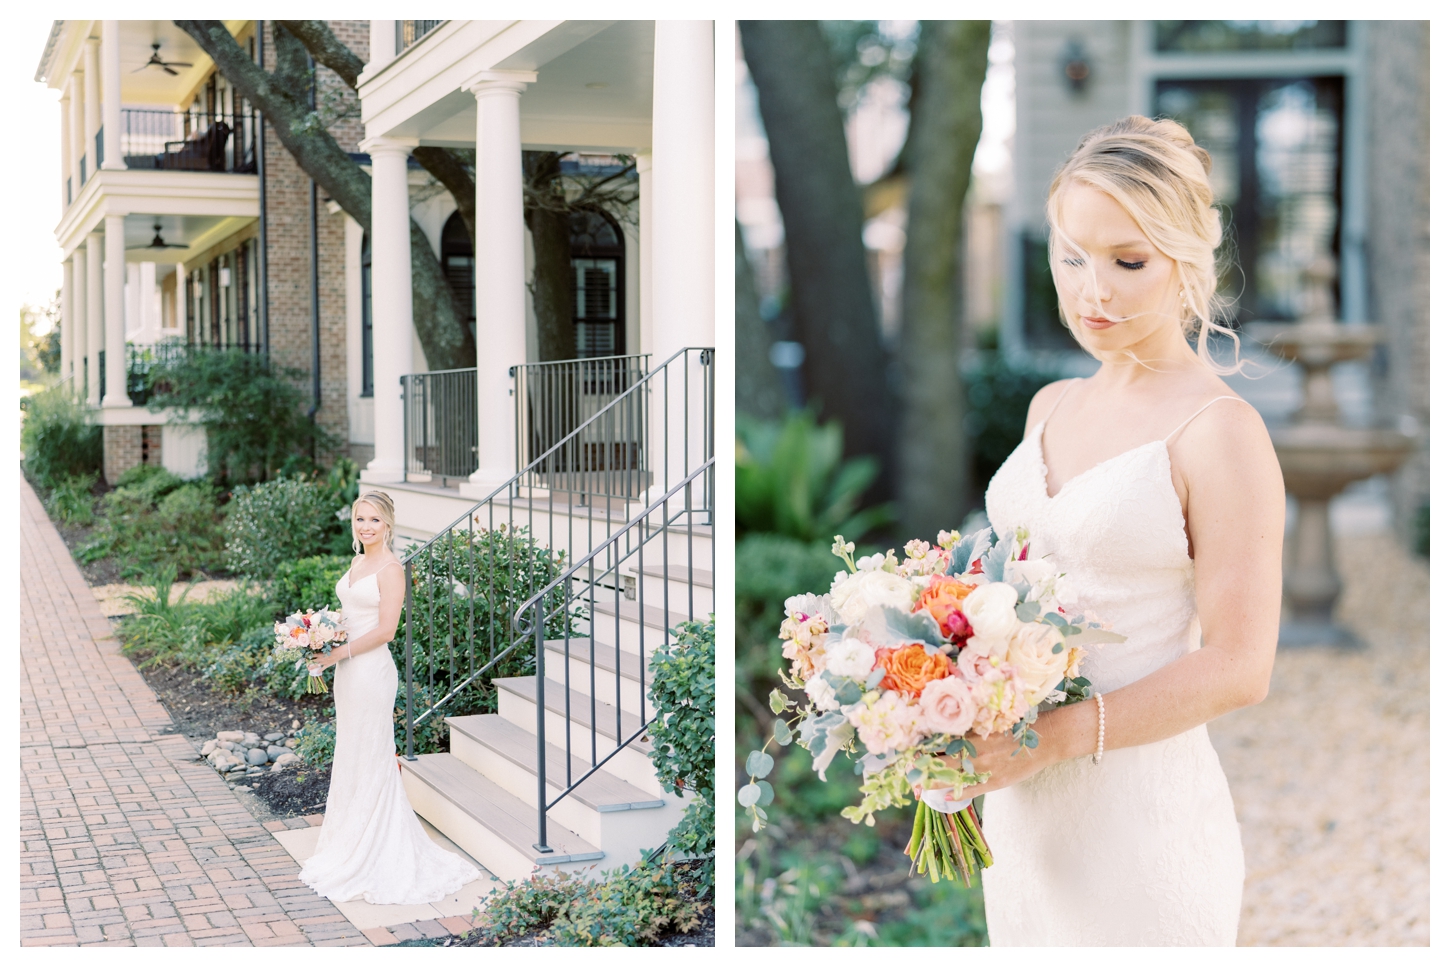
1076,68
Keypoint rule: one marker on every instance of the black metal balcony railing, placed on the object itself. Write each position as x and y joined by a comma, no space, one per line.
141,359
189,142
440,423
552,400
412,31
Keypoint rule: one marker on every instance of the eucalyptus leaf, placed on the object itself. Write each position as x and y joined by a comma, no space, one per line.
1057,648
749,794
1056,620
849,693
875,677
778,702
783,734
767,793
759,764
1030,611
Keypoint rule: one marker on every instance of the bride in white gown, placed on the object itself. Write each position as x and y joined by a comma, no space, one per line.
1158,492
371,846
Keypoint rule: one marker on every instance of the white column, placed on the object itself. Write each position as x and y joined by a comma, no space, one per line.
94,305
683,250
92,63
115,312
382,45
79,322
65,144
67,317
502,338
111,94
684,185
180,317
392,304
77,122
644,164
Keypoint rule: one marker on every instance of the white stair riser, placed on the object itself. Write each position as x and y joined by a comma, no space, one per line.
680,543
628,764
628,632
570,813
477,840
652,589
603,679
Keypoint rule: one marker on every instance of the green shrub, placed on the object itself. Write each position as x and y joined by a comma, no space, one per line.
466,588
275,522
159,520
316,742
682,736
190,634
998,396
790,480
769,569
254,412
70,500
307,583
58,438
238,667
628,907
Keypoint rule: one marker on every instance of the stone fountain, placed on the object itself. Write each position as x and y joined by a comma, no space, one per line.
1320,456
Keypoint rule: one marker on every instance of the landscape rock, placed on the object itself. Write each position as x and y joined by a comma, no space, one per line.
272,738
273,751
284,760
230,736
256,757
208,747
251,740
290,743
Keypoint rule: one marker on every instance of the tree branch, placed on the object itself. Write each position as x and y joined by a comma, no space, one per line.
453,172
326,49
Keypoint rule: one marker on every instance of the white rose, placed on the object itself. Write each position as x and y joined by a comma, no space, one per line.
864,590
850,658
1031,653
987,646
1031,572
992,610
821,694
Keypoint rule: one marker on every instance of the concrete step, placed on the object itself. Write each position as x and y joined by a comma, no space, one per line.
636,628
492,825
614,815
622,689
677,590
589,740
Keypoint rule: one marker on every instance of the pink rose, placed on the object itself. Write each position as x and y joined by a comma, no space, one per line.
947,706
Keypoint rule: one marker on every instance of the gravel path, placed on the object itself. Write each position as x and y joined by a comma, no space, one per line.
1331,773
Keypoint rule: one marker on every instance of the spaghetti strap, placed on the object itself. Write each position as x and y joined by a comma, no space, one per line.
1198,411
1058,402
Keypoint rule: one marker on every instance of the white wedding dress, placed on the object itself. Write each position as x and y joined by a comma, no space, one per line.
1142,849
371,846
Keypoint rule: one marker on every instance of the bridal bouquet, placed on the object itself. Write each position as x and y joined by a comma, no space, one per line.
904,659
308,634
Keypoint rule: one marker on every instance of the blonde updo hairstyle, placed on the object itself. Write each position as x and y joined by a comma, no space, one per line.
1161,178
384,506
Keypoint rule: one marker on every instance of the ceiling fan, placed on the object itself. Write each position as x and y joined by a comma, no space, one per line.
156,243
156,61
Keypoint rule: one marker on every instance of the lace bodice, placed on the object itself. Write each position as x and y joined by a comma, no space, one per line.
1117,530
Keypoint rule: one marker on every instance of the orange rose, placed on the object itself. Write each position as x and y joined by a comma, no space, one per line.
908,669
943,599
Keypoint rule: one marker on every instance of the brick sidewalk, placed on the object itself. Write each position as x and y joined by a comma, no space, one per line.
126,837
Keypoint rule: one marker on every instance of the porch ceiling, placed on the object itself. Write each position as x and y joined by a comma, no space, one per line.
196,232
153,86
597,95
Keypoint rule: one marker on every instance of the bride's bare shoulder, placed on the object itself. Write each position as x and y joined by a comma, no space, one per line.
1227,444
1043,401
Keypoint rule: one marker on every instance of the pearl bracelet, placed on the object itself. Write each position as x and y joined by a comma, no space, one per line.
1102,721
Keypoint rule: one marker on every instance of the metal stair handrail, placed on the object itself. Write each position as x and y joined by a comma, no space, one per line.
508,490
537,627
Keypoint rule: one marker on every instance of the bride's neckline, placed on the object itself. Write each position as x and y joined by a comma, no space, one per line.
351,583
1046,473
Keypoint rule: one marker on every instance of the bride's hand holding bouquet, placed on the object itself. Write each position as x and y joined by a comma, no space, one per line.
316,638
929,672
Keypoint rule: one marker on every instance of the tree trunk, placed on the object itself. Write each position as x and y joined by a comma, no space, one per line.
281,97
758,392
820,204
546,212
947,122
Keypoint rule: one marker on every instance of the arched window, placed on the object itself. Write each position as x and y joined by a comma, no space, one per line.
597,258
367,315
457,254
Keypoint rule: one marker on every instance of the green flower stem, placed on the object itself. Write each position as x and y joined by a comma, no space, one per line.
948,845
